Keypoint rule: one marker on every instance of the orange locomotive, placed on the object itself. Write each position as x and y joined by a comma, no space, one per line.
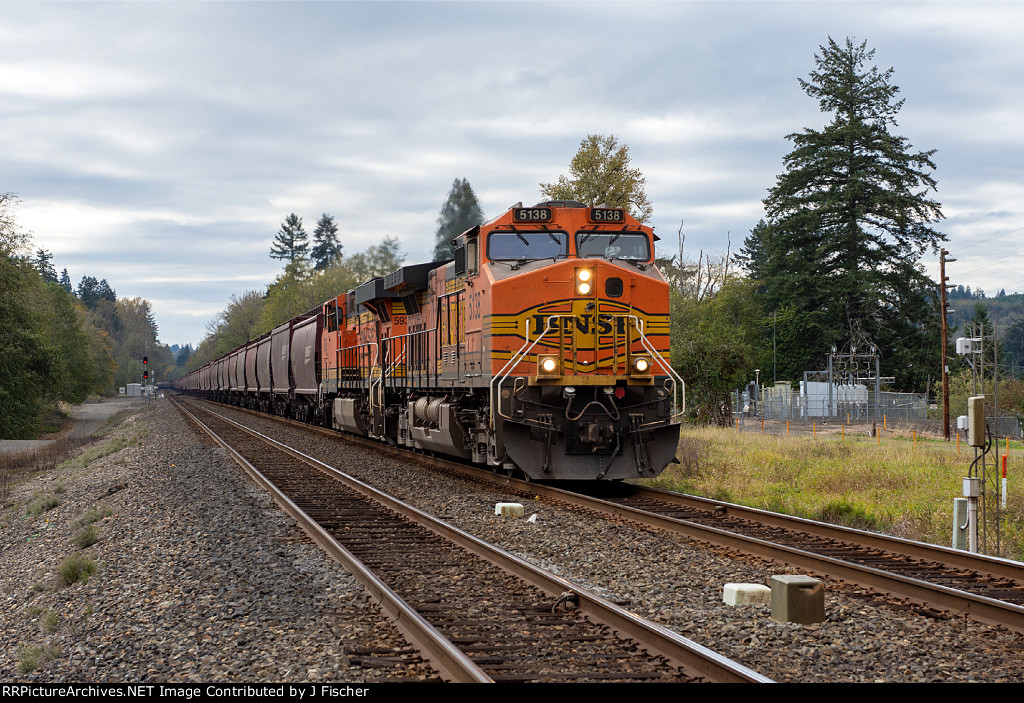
541,350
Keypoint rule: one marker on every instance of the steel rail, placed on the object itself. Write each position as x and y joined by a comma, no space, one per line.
453,664
996,567
694,658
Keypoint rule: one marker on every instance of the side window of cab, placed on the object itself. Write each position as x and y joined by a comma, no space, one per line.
467,252
472,256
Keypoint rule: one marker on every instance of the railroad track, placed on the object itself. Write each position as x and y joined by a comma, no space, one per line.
987,589
475,612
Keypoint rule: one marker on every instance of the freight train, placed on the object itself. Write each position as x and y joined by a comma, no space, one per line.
541,350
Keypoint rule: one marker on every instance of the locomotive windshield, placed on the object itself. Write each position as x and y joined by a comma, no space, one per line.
613,245
527,245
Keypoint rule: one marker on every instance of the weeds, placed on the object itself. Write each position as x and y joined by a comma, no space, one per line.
41,502
31,658
888,486
45,458
77,567
86,537
92,515
844,513
98,452
49,622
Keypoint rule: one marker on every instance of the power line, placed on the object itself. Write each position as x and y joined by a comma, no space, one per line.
995,263
974,244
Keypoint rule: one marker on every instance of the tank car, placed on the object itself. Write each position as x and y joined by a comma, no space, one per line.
541,350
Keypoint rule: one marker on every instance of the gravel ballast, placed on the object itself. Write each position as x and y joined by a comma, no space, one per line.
202,578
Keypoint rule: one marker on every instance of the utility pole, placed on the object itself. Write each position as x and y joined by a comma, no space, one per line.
943,258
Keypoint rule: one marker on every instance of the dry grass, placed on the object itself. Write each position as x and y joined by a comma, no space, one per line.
14,465
895,486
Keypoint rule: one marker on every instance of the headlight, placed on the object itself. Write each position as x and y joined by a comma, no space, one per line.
641,365
584,284
547,365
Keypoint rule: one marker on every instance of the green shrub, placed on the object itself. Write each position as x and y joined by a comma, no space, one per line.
93,515
41,503
842,512
86,537
77,567
33,657
49,621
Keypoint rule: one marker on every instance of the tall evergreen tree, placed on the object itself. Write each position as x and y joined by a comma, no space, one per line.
326,249
601,176
65,281
91,292
291,241
848,222
43,265
460,212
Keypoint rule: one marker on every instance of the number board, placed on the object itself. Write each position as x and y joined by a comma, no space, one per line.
531,214
607,214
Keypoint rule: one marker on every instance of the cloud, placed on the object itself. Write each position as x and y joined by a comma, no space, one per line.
160,145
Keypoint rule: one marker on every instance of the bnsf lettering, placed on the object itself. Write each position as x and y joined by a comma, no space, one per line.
585,323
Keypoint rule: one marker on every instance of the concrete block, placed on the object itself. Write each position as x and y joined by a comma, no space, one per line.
746,594
797,598
509,509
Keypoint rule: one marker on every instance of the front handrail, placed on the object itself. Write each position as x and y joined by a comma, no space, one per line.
670,372
518,356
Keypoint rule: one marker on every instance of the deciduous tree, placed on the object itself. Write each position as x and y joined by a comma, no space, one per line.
600,175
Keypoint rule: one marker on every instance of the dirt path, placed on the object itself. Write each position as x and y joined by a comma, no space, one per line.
85,419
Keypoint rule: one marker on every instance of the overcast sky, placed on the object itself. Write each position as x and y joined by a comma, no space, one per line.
160,145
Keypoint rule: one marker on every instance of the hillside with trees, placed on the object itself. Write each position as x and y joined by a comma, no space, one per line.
59,344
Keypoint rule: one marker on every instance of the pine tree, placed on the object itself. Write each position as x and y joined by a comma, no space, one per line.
460,212
849,220
326,249
43,265
91,292
291,242
601,176
65,281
